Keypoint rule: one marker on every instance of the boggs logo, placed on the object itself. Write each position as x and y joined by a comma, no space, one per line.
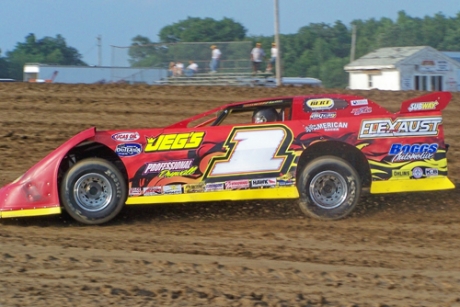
174,141
320,104
383,128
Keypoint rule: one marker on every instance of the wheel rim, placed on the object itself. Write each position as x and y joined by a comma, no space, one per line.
328,189
93,192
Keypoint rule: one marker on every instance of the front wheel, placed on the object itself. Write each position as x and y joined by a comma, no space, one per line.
329,188
93,191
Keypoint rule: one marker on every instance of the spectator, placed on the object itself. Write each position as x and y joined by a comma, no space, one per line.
215,58
274,55
172,69
179,68
191,69
257,56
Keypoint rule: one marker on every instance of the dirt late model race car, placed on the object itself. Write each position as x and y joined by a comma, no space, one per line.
325,150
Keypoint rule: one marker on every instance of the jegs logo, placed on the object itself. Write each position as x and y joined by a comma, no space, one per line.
385,128
174,141
422,106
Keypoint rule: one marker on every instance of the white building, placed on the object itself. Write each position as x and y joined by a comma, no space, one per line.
405,68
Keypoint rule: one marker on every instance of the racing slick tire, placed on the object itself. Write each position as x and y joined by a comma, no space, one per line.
93,191
329,188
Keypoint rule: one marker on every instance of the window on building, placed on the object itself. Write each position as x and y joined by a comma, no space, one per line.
369,81
428,83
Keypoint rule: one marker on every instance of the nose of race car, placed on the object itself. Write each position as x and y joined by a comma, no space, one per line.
24,198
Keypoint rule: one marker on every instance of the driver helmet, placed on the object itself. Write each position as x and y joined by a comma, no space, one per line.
264,115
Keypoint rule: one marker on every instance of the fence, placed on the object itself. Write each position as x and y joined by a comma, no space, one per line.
235,56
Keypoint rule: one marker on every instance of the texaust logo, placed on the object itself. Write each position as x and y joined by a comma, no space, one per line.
384,128
128,149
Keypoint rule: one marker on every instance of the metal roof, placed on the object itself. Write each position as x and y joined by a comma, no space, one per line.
454,55
384,58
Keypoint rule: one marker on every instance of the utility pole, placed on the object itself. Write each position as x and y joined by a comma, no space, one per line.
353,43
278,46
99,46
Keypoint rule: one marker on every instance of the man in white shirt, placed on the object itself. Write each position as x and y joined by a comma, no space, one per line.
191,69
215,57
257,56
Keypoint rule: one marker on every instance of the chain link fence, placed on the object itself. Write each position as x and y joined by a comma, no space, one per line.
235,56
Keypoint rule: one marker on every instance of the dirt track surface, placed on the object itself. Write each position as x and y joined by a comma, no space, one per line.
397,250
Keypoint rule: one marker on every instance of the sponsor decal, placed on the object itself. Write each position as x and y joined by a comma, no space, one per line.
194,188
383,128
135,191
431,172
125,136
410,152
210,187
171,168
177,165
334,126
417,172
152,191
359,102
285,183
323,115
172,189
128,149
174,141
320,104
265,182
236,184
423,106
401,173
362,110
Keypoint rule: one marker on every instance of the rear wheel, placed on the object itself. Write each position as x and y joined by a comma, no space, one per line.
93,191
329,188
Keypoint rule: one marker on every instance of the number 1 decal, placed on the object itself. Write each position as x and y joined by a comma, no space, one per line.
254,150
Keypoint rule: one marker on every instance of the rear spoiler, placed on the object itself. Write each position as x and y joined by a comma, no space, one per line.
436,101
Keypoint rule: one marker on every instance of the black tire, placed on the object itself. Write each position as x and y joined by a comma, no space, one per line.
329,188
93,191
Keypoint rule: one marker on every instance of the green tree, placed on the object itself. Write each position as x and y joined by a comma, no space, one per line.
47,50
3,66
195,29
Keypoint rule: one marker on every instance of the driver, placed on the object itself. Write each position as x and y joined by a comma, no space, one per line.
264,115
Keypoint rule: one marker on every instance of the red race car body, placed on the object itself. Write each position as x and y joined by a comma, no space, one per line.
324,150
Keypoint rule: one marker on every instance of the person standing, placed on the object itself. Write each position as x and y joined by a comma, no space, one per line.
257,56
273,56
215,58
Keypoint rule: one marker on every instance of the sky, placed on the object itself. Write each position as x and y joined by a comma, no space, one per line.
116,22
